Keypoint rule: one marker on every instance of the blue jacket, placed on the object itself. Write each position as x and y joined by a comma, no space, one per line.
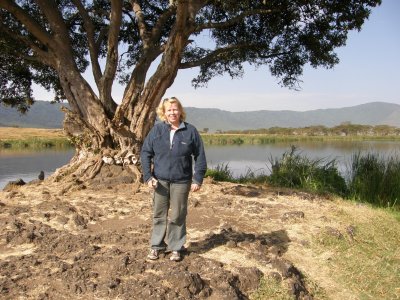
173,162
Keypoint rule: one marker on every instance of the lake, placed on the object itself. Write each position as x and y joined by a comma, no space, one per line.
28,164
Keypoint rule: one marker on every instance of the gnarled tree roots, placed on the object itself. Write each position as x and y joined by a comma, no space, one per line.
109,168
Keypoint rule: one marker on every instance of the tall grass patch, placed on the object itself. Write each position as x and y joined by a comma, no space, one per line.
294,170
375,179
222,172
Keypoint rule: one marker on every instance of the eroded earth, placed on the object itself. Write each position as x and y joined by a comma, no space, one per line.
90,242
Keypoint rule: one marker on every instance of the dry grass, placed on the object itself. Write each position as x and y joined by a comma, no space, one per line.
13,133
358,259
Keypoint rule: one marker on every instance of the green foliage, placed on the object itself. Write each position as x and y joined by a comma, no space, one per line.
375,179
251,177
220,173
283,35
294,170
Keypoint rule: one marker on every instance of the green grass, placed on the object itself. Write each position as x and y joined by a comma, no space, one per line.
270,288
375,179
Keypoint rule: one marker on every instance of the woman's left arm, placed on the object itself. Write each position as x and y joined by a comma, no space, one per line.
200,162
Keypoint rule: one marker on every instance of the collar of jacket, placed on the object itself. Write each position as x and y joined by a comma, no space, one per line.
181,125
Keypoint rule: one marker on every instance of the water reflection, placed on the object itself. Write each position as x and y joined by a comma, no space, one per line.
257,157
26,164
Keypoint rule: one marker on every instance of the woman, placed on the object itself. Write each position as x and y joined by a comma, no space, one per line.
170,146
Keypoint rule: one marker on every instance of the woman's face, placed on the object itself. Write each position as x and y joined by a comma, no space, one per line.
172,113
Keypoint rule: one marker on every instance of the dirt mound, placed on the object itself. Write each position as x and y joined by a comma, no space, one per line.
63,243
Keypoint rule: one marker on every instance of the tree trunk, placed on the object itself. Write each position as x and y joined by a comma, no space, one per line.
105,154
108,149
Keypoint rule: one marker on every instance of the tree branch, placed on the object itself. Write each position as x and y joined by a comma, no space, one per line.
156,31
93,46
232,21
216,54
29,43
57,25
112,55
31,25
143,32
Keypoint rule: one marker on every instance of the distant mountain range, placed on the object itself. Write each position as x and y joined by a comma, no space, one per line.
46,115
42,114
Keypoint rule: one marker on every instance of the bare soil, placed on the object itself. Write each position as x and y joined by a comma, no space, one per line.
91,242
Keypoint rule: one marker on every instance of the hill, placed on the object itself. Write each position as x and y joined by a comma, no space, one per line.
46,115
42,114
375,113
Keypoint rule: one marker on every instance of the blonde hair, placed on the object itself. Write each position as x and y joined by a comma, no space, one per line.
161,108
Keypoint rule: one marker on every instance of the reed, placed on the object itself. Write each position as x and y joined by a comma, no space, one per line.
294,170
221,172
375,179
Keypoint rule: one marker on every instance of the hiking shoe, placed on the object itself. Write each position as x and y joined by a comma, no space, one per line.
154,254
176,256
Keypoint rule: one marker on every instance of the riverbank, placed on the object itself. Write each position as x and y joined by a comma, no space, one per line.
260,139
69,240
33,138
13,137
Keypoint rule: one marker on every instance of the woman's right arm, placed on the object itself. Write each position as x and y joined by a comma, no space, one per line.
146,156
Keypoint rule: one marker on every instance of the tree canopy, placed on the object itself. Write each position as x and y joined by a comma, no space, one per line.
53,42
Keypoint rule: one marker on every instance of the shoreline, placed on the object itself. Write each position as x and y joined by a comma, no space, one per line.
42,138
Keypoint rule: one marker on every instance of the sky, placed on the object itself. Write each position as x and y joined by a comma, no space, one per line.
368,71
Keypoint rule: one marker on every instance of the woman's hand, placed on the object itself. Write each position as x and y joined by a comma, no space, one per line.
195,187
152,183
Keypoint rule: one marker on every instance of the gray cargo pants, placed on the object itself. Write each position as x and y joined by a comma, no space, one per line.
172,227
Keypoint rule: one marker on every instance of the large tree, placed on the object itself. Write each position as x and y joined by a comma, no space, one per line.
53,42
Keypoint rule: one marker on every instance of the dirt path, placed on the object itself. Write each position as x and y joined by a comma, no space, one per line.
86,243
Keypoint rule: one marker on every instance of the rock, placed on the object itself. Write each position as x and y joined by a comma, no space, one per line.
333,232
191,282
241,190
249,278
276,276
292,215
285,267
231,244
13,184
351,231
79,221
41,175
